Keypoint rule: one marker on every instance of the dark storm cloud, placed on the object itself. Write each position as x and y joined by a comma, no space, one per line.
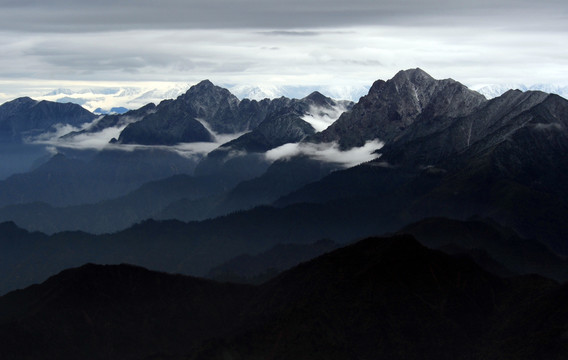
105,15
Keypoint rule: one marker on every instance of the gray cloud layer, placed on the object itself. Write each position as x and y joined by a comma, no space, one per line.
316,43
105,15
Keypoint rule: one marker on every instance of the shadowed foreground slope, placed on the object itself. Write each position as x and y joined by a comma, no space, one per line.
381,298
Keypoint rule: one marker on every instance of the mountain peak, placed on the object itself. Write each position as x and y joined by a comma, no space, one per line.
415,76
416,73
318,98
16,104
207,88
392,107
24,100
205,83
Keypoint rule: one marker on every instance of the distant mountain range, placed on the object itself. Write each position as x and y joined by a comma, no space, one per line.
105,100
25,117
492,91
208,184
117,99
424,124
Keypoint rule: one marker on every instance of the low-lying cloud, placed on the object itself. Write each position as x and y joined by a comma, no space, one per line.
70,137
327,152
321,117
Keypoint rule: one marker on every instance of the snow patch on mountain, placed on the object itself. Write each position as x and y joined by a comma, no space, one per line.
257,92
102,100
260,92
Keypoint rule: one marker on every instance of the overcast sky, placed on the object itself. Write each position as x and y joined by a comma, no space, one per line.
49,44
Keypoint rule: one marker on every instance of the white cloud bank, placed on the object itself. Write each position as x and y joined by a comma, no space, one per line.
320,117
61,136
327,152
100,140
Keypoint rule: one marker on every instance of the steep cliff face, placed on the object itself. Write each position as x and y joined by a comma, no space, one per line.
206,110
285,121
176,121
391,107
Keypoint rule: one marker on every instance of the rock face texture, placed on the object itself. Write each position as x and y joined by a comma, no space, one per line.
206,110
412,96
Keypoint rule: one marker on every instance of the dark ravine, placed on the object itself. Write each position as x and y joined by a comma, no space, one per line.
383,298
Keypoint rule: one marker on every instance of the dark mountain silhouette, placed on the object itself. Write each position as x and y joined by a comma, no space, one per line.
116,120
196,247
381,298
64,181
24,117
125,312
191,248
256,269
280,178
517,255
273,132
503,165
181,197
115,214
494,170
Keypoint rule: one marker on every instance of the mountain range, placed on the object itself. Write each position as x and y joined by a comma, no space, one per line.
103,100
211,185
117,99
380,298
495,90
